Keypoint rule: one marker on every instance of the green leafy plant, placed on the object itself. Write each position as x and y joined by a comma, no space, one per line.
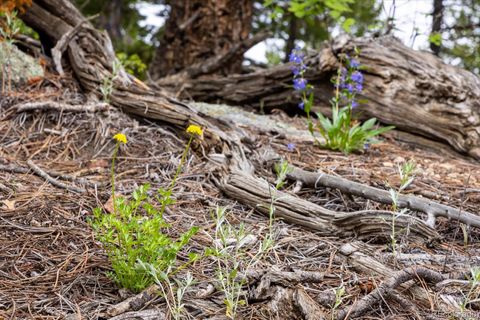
135,234
233,248
339,295
341,132
336,9
473,292
133,64
107,85
407,175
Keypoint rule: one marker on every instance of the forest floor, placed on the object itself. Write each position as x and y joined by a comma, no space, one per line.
51,266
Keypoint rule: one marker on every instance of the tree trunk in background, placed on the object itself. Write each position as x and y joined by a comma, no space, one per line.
198,30
111,20
437,20
292,36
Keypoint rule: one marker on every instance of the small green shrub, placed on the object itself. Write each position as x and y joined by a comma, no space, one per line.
133,64
473,293
135,233
407,175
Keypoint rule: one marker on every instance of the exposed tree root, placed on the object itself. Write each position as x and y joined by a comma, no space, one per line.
257,193
432,208
387,288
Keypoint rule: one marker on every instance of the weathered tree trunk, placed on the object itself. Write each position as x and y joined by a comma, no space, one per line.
412,90
198,30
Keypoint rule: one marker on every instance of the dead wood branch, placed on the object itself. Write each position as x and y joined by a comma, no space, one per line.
13,168
134,303
457,262
149,314
362,258
432,208
256,193
285,278
52,105
387,287
288,303
272,278
54,174
215,63
52,180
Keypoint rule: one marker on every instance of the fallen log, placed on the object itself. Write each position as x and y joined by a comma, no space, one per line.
412,90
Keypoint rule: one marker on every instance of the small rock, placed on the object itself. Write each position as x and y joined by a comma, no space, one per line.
17,67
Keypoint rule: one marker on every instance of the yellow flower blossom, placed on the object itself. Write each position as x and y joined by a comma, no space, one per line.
120,137
194,129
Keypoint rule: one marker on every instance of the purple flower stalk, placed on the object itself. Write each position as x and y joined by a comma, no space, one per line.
357,77
300,84
291,147
353,63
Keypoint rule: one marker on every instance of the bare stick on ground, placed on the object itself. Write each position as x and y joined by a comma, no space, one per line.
134,303
52,180
52,105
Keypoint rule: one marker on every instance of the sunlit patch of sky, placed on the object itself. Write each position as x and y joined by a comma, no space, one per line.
412,24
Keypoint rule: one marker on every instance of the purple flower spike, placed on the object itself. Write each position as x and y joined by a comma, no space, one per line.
354,104
299,84
354,63
349,87
291,147
357,77
301,105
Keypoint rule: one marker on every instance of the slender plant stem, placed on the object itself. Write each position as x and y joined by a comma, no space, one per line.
112,173
177,173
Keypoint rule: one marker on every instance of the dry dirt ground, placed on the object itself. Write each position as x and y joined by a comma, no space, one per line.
51,267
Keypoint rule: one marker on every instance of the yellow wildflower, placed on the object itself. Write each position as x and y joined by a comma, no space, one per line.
194,129
120,137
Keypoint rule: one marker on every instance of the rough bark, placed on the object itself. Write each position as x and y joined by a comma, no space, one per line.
198,30
412,90
257,193
431,208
